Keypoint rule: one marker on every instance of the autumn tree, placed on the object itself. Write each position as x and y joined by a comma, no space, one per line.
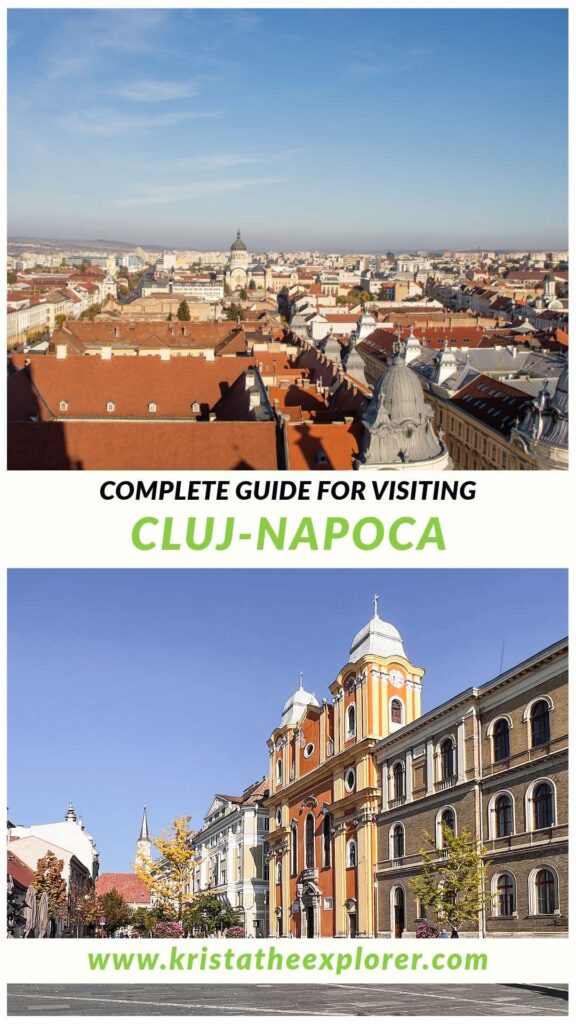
48,878
168,877
453,879
183,311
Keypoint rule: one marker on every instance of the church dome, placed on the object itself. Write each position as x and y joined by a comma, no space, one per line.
560,400
238,244
296,705
377,637
399,395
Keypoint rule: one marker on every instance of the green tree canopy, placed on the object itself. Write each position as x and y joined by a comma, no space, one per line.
113,907
235,312
452,880
209,916
183,311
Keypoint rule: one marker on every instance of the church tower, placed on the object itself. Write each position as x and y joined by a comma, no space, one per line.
144,844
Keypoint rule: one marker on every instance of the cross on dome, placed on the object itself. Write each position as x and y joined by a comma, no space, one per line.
376,599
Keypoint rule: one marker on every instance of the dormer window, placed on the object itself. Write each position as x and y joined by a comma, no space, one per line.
151,406
110,406
195,407
321,458
63,406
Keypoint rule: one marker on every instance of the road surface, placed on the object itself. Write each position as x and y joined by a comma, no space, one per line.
449,1000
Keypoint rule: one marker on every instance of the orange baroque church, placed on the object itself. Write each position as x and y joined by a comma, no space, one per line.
325,793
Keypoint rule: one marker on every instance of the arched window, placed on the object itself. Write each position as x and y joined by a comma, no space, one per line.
294,848
445,819
540,723
505,895
398,779
278,872
501,740
447,759
110,407
351,854
504,817
350,721
546,895
151,406
398,841
396,712
327,840
309,842
543,806
279,770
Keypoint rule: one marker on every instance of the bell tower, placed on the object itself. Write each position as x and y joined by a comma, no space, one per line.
144,844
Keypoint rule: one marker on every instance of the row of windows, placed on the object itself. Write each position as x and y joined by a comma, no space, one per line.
310,847
542,893
536,715
540,800
111,407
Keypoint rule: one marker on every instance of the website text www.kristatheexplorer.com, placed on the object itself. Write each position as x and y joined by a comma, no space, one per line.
270,960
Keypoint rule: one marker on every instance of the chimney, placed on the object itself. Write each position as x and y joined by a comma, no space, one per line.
61,351
106,352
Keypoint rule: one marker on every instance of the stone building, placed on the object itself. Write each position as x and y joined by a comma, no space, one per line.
493,761
230,855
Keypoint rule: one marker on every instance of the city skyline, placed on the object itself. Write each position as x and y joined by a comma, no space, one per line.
121,679
264,127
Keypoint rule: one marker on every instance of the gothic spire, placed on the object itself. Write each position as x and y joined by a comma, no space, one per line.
144,833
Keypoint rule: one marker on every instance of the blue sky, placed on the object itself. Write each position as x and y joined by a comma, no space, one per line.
334,129
161,687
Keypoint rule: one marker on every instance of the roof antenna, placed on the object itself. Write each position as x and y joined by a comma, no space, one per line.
502,652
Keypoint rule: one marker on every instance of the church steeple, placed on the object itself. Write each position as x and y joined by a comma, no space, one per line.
144,844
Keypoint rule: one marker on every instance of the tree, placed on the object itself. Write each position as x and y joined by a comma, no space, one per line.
359,295
63,262
12,277
59,321
209,916
243,294
235,312
144,921
91,312
183,311
113,907
48,878
452,885
168,877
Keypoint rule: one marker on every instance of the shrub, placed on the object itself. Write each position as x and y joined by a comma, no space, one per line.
426,931
168,930
236,932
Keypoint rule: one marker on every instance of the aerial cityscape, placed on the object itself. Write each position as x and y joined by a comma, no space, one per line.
285,326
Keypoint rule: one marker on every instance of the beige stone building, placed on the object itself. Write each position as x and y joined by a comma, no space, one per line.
493,761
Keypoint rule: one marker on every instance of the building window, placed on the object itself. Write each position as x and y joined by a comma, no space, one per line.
350,780
446,819
398,841
309,842
279,771
546,896
396,712
308,750
350,721
110,407
503,810
540,723
151,406
398,779
447,760
63,406
351,854
327,840
543,804
278,872
278,816
266,862
195,407
266,824
505,897
294,848
501,740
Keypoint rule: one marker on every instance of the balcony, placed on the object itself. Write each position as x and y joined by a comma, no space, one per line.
448,783
399,801
397,862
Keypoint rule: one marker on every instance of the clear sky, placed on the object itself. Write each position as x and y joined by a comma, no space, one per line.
161,687
329,129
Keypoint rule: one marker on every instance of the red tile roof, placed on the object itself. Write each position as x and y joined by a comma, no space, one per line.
493,402
129,886
338,442
19,871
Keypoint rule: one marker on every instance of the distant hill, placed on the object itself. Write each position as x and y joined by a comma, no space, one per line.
78,243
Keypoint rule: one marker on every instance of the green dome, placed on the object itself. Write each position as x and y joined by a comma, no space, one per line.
238,244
